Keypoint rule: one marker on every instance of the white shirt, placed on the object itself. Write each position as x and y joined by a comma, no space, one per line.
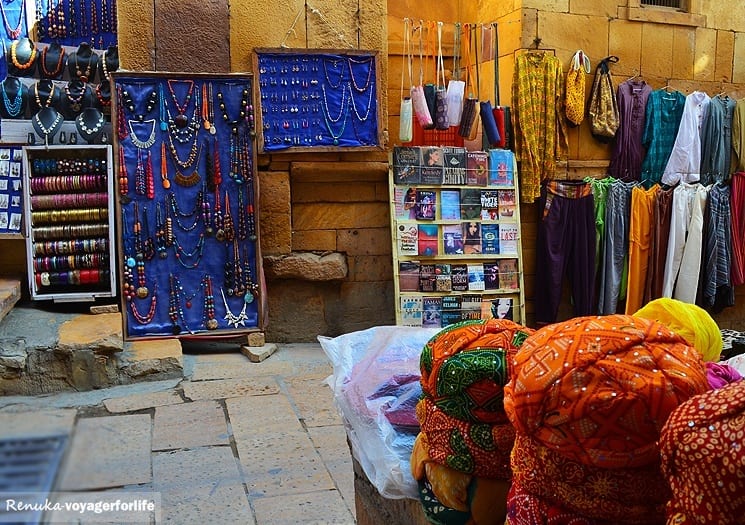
685,159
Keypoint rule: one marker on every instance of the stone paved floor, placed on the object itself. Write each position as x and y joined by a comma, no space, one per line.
233,442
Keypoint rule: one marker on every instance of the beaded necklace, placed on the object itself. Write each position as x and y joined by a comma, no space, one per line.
80,73
190,159
104,98
227,221
218,218
150,315
190,180
234,273
14,55
175,311
161,244
326,73
13,34
52,128
123,176
342,105
13,108
251,287
144,179
127,101
209,304
181,120
50,97
58,66
75,99
369,61
141,290
164,167
178,214
197,252
128,287
369,106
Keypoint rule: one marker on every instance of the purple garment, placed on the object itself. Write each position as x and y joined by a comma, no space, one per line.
628,150
720,374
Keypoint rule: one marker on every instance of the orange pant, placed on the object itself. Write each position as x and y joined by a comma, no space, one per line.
640,237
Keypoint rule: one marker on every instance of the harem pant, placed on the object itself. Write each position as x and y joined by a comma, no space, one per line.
566,245
737,205
614,264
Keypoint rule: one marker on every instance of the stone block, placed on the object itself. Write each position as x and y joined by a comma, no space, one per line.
276,233
13,353
46,422
684,41
325,507
705,54
102,332
256,339
738,65
210,366
340,216
306,266
314,240
189,425
604,8
364,241
257,354
348,191
136,20
104,309
274,189
110,451
226,388
289,321
249,416
725,56
568,32
360,306
623,40
657,50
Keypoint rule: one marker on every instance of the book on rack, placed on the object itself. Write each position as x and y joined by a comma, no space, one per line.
427,240
404,202
508,237
407,239
506,200
477,168
470,306
443,282
508,274
452,239
491,275
432,169
459,277
411,310
426,204
471,237
450,205
432,311
450,310
490,238
407,165
501,166
500,308
408,276
476,277
455,165
427,277
470,203
489,205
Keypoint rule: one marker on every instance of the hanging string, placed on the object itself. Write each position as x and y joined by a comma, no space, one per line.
339,34
291,30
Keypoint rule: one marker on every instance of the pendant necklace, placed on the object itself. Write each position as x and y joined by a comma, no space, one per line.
335,63
50,97
175,311
75,99
190,159
44,130
342,105
232,319
141,290
150,315
180,121
83,75
250,286
164,167
139,144
218,218
128,285
187,181
13,34
209,304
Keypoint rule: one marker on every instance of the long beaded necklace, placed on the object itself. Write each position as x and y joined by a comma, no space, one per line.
238,142
13,33
80,73
242,217
142,290
103,95
37,96
161,232
192,179
123,176
190,159
227,224
344,112
164,167
209,304
206,211
342,105
232,319
369,106
128,287
175,310
13,108
233,280
144,178
251,287
218,218
181,120
121,126
178,214
335,63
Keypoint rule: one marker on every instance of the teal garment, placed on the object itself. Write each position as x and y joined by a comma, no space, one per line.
437,513
599,193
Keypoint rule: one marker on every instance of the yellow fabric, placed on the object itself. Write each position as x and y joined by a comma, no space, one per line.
640,242
691,322
575,89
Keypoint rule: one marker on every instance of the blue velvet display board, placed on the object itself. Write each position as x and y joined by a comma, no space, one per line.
317,99
187,211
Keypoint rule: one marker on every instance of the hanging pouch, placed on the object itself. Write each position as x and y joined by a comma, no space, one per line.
441,100
456,88
501,113
489,124
418,97
467,128
603,108
429,96
406,113
574,99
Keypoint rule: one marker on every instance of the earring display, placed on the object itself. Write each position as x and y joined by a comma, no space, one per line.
68,208
318,99
11,196
186,186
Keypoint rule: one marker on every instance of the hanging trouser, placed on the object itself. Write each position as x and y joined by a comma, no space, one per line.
686,285
640,243
663,207
737,205
566,244
617,210
716,290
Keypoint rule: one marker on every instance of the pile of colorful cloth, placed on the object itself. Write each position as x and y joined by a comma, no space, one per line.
597,420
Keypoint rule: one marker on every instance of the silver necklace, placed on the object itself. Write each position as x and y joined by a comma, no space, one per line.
150,140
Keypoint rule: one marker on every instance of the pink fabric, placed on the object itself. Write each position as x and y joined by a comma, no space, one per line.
719,375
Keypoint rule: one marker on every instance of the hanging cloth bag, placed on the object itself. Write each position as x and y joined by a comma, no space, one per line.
430,88
456,87
486,111
468,126
406,115
418,100
501,113
574,99
603,107
442,121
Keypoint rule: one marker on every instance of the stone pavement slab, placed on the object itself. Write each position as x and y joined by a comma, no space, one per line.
331,444
38,423
109,451
189,425
225,388
254,415
202,485
135,402
314,508
231,366
314,400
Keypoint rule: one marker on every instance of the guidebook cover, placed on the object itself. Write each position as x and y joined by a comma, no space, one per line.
406,164
500,167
